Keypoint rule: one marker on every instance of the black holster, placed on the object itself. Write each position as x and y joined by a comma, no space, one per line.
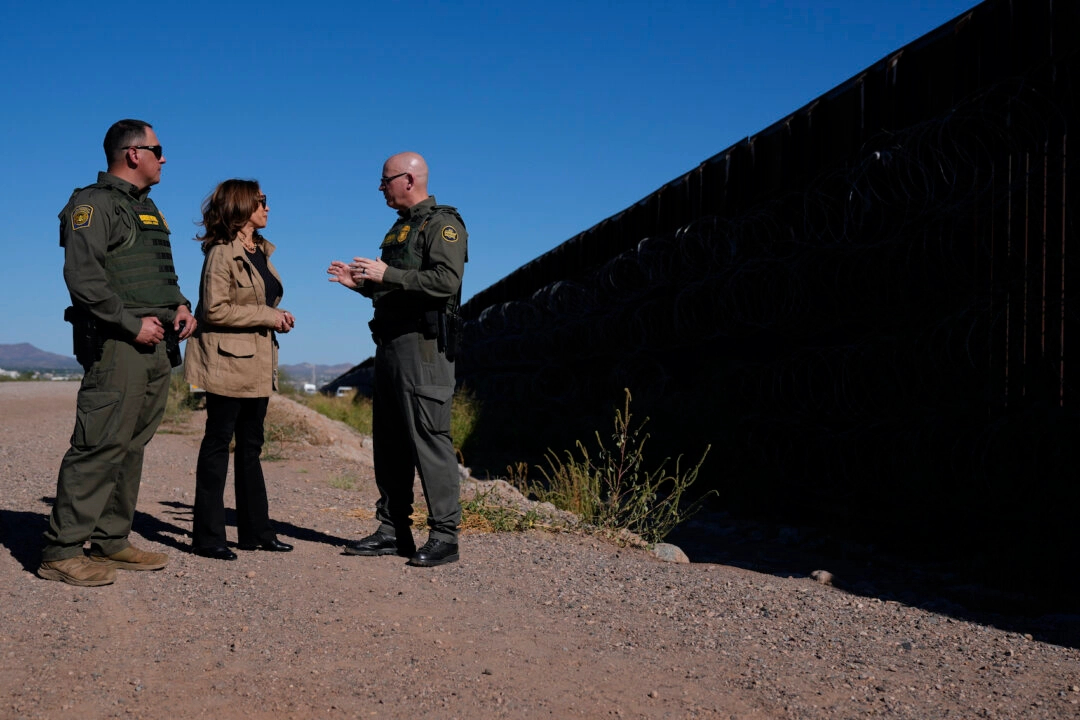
431,326
172,344
87,341
449,333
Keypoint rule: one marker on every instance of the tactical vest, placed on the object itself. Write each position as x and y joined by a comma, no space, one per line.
139,263
401,249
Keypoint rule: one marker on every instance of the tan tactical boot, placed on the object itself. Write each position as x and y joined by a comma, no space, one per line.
78,570
132,558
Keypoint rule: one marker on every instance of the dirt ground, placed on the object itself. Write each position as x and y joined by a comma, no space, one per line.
533,624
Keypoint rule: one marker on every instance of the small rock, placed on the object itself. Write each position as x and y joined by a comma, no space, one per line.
822,576
669,553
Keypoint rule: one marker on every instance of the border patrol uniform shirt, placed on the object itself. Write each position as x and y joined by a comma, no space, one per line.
426,251
94,225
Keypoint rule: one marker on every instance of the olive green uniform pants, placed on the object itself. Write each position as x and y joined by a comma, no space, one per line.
414,384
120,404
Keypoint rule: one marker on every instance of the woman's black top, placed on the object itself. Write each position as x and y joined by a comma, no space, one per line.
274,291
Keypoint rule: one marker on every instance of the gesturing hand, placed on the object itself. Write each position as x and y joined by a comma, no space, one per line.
341,273
366,269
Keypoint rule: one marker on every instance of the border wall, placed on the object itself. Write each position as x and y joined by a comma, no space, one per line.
863,308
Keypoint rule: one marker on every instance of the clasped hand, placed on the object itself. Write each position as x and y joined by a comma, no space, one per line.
151,332
285,321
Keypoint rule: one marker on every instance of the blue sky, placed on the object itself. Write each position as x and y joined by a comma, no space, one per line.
537,120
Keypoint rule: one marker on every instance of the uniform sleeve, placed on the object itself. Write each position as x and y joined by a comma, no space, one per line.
229,295
86,226
446,242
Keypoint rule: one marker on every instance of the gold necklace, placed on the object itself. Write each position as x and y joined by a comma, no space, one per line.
248,243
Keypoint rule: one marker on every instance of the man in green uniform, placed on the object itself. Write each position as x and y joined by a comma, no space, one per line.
126,303
415,287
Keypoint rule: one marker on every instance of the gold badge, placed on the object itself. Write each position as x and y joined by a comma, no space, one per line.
149,220
80,217
403,234
449,234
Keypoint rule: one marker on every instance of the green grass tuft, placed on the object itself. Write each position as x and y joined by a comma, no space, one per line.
612,490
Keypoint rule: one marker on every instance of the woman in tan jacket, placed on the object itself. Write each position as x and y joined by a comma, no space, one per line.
233,357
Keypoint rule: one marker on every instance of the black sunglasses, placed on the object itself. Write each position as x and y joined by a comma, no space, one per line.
387,180
156,149
261,199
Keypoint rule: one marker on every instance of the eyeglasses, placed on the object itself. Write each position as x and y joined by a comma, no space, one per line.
156,149
261,200
387,180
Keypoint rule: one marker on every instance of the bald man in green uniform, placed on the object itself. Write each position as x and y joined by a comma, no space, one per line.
125,300
415,287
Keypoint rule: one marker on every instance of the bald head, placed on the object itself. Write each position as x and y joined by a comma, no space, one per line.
411,163
407,180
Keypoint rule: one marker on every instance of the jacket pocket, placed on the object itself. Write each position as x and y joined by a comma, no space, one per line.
241,346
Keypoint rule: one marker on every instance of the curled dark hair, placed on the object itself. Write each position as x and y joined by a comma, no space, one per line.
121,135
227,210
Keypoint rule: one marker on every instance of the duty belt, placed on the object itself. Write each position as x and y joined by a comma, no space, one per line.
384,330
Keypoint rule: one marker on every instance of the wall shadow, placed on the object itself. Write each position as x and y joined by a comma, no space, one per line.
937,580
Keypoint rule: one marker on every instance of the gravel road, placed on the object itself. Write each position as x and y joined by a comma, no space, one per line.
525,625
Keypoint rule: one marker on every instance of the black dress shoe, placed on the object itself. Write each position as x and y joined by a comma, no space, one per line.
219,552
379,543
435,552
274,545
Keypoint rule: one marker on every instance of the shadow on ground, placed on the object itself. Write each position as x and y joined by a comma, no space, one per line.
183,511
22,532
938,583
935,584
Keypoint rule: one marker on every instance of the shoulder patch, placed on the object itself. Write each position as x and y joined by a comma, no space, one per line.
449,233
80,216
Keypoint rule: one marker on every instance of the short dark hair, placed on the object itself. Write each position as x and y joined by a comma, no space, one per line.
123,134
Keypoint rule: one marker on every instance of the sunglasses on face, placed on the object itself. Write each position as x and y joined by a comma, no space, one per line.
387,180
156,149
261,200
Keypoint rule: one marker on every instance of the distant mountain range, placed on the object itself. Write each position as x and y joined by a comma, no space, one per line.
309,373
24,356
